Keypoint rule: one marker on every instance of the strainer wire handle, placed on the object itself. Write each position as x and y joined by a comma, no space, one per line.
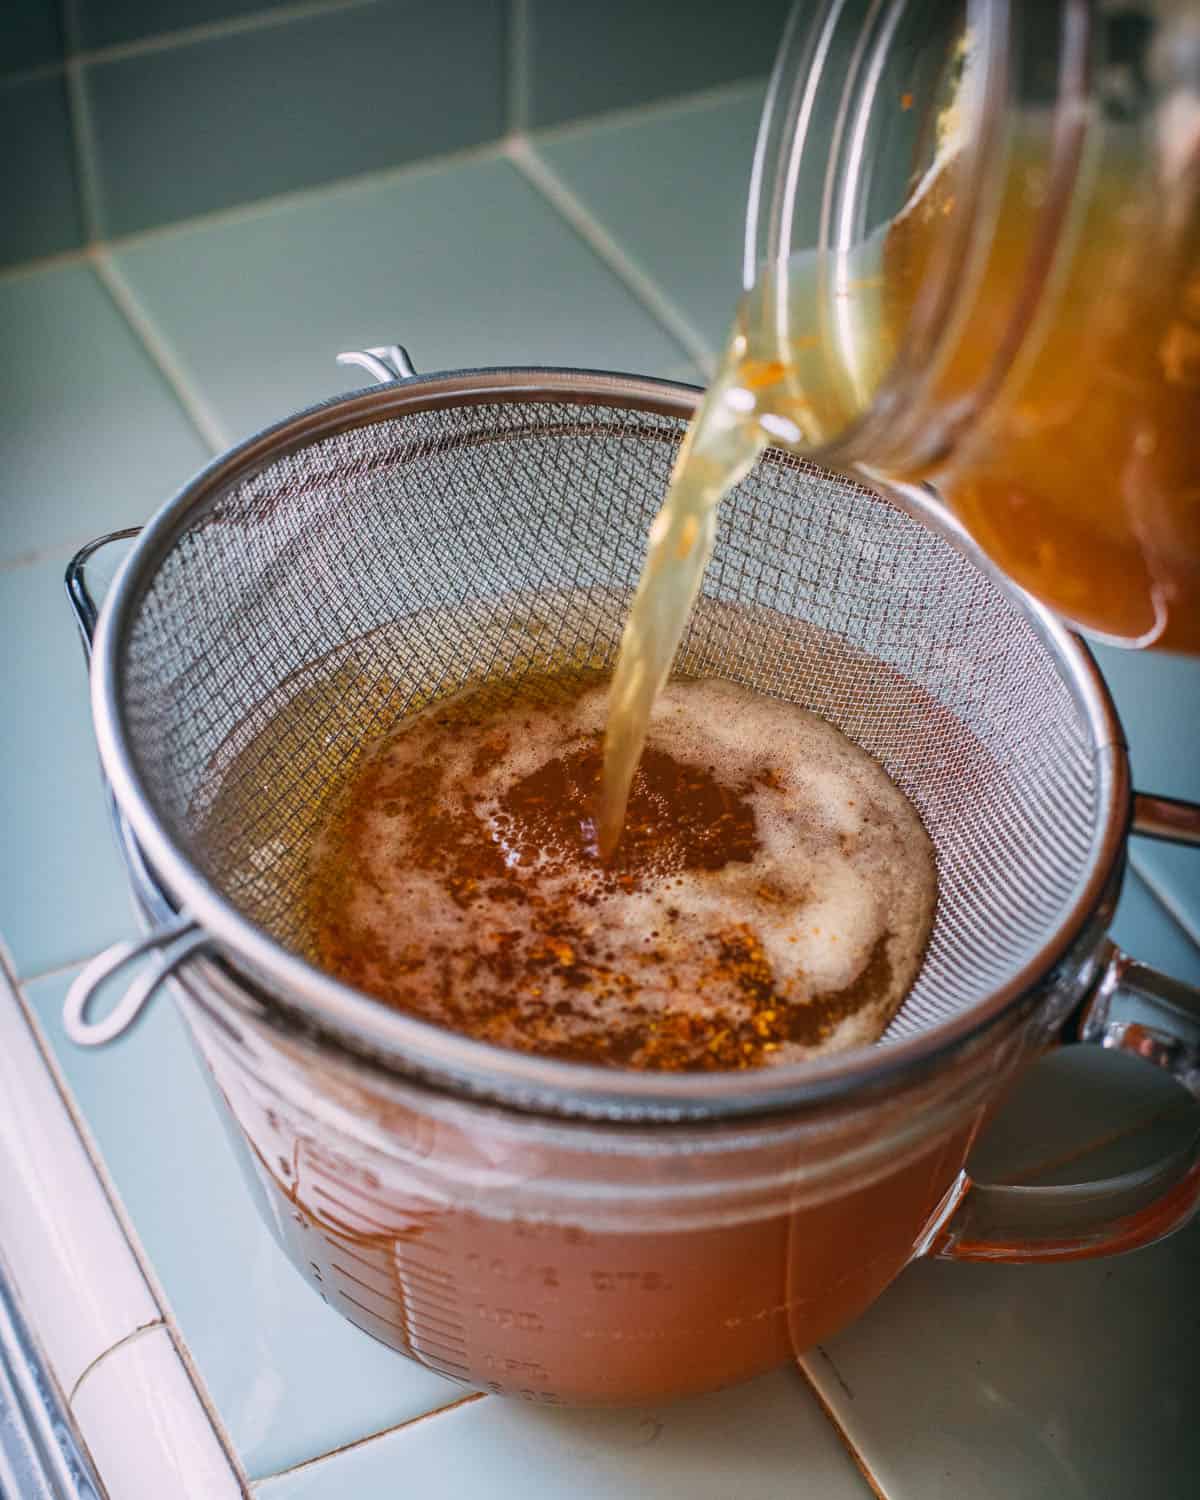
178,940
1134,1009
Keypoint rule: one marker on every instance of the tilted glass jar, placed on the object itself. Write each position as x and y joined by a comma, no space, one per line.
973,249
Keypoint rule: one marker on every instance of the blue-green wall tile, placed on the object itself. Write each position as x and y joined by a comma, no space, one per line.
184,130
671,190
30,35
465,265
37,170
583,59
103,23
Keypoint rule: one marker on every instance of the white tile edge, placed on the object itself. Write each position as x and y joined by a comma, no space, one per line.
112,1198
67,1252
147,1430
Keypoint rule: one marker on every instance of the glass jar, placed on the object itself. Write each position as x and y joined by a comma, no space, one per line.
973,248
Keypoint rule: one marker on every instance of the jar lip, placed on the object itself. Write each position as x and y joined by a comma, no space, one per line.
459,1064
903,425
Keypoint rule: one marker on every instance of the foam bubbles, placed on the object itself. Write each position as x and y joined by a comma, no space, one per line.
431,894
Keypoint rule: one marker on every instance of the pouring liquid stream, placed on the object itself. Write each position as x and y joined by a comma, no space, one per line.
754,398
1077,472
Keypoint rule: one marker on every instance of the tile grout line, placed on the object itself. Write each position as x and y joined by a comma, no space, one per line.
496,148
186,391
1166,899
55,971
120,1214
211,31
254,208
848,1442
131,1337
517,64
31,74
260,1485
83,148
542,177
625,115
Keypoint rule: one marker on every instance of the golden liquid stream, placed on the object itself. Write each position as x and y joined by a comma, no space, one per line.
1081,474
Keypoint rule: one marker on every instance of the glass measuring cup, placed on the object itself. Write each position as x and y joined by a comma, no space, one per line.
559,1232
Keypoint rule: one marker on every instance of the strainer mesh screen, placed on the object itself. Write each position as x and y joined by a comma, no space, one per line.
306,610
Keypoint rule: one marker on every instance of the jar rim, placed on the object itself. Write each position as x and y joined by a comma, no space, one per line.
901,426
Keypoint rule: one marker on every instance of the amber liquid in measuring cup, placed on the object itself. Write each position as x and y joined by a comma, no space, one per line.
534,1260
597,1298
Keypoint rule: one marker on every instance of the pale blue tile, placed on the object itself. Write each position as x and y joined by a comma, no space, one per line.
37,171
103,23
1158,698
30,36
1058,1382
62,895
91,435
760,1441
586,58
1144,928
975,1382
183,130
289,1377
465,265
671,190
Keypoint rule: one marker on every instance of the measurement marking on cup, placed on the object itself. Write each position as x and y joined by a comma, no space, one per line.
358,1214
424,1304
503,1270
430,1304
456,1367
428,1312
409,1336
436,1278
346,1184
442,1279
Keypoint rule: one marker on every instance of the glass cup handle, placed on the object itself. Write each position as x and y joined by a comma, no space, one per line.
1131,1009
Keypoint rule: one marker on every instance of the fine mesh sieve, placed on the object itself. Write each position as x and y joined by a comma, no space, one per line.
335,574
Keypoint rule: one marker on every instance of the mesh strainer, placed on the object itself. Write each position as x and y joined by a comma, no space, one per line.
340,570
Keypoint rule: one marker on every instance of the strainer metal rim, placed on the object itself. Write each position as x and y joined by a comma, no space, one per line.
419,1047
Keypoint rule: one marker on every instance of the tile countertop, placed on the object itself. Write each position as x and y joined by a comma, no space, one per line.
964,1381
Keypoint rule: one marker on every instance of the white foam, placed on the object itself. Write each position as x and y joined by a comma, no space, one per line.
843,871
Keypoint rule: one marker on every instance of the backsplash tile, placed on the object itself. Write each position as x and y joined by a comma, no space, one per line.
465,265
30,36
92,437
583,59
106,23
61,891
185,130
92,440
671,191
37,170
